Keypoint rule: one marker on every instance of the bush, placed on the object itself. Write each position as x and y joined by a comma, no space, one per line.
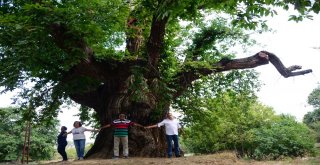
257,134
285,137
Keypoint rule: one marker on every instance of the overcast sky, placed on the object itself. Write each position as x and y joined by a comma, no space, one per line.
294,44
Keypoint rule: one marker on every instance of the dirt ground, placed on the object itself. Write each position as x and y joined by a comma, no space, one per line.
225,158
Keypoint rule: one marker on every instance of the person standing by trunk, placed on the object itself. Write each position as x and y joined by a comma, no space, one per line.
62,143
79,138
172,126
120,134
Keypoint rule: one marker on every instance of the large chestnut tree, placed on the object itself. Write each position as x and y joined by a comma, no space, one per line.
131,56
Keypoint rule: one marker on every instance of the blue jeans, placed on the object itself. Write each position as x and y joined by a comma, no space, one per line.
175,139
80,144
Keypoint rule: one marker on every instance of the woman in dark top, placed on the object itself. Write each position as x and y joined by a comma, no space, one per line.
62,143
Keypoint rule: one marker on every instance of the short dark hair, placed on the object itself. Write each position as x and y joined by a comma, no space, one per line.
64,128
80,124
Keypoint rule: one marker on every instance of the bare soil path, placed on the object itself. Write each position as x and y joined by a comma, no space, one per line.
226,158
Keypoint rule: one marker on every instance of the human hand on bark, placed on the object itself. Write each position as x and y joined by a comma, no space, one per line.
151,126
106,126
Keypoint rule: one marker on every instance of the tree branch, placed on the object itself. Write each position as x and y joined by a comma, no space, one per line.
285,72
88,99
184,79
108,72
88,66
155,41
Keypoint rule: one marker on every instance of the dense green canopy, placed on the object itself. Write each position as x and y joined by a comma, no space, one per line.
129,56
54,48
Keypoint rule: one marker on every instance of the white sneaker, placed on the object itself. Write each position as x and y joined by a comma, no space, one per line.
81,158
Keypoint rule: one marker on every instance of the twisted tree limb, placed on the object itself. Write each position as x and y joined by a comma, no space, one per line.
184,79
285,72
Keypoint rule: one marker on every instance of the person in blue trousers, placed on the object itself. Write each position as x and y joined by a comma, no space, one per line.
171,126
79,139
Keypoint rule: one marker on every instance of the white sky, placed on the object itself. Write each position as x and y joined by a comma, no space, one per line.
293,43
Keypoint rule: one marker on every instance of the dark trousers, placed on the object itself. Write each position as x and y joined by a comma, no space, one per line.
62,151
175,140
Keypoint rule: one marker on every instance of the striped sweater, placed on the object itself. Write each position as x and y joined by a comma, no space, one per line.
121,127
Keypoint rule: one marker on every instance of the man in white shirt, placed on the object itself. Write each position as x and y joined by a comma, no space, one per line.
171,125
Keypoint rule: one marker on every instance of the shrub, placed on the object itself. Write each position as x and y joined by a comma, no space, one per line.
285,137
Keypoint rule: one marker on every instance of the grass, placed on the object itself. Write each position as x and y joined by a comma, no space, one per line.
71,152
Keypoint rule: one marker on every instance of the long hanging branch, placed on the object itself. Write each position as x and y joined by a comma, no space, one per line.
185,78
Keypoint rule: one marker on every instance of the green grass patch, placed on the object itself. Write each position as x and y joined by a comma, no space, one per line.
71,152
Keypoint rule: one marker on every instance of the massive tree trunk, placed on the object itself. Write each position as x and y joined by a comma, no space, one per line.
142,143
113,98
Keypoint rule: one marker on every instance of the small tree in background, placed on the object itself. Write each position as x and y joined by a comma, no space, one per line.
12,128
281,138
232,119
312,119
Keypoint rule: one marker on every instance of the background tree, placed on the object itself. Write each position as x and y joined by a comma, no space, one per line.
12,128
312,119
126,56
219,118
283,137
229,117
